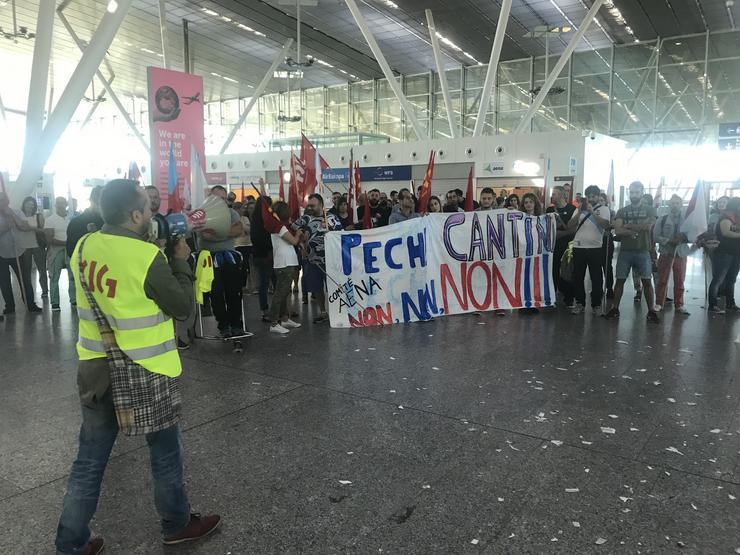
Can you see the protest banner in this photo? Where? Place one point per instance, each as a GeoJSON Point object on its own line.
{"type": "Point", "coordinates": [438, 265]}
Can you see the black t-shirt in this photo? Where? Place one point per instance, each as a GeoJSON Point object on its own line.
{"type": "Point", "coordinates": [565, 213]}
{"type": "Point", "coordinates": [727, 245]}
{"type": "Point", "coordinates": [378, 214]}
{"type": "Point", "coordinates": [80, 225]}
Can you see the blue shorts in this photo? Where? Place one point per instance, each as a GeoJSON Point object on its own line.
{"type": "Point", "coordinates": [639, 261]}
{"type": "Point", "coordinates": [314, 278]}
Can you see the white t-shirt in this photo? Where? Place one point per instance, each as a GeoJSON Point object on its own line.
{"type": "Point", "coordinates": [27, 239]}
{"type": "Point", "coordinates": [591, 234]}
{"type": "Point", "coordinates": [59, 225]}
{"type": "Point", "coordinates": [283, 253]}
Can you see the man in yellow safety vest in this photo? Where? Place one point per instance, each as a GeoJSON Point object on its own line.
{"type": "Point", "coordinates": [139, 293]}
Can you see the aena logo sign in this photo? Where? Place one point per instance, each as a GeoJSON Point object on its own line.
{"type": "Point", "coordinates": [491, 168]}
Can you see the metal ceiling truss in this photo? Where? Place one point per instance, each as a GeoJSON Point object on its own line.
{"type": "Point", "coordinates": [107, 83]}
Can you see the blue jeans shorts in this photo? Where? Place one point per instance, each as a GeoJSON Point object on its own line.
{"type": "Point", "coordinates": [639, 261]}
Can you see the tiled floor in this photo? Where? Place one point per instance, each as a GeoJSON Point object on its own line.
{"type": "Point", "coordinates": [463, 435]}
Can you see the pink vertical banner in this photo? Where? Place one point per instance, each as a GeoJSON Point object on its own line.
{"type": "Point", "coordinates": [175, 118]}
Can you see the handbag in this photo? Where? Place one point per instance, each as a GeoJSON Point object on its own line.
{"type": "Point", "coordinates": [40, 235]}
{"type": "Point", "coordinates": [144, 402]}
{"type": "Point", "coordinates": [567, 266]}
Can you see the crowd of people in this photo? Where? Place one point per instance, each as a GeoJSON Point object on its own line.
{"type": "Point", "coordinates": [251, 260]}
{"type": "Point", "coordinates": [128, 346]}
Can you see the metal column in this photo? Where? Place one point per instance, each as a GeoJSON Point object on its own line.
{"type": "Point", "coordinates": [490, 82]}
{"type": "Point", "coordinates": [611, 92]}
{"type": "Point", "coordinates": [655, 86]}
{"type": "Point", "coordinates": [39, 77]}
{"type": "Point", "coordinates": [185, 46]}
{"type": "Point", "coordinates": [706, 84]}
{"type": "Point", "coordinates": [72, 95]}
{"type": "Point", "coordinates": [547, 85]}
{"type": "Point", "coordinates": [163, 33]}
{"type": "Point", "coordinates": [365, 30]}
{"type": "Point", "coordinates": [106, 85]}
{"type": "Point", "coordinates": [279, 57]}
{"type": "Point", "coordinates": [441, 73]}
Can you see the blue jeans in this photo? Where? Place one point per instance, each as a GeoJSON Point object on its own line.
{"type": "Point", "coordinates": [97, 436]}
{"type": "Point", "coordinates": [725, 268]}
{"type": "Point", "coordinates": [263, 265]}
{"type": "Point", "coordinates": [637, 261]}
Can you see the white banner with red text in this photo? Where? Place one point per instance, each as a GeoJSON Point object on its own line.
{"type": "Point", "coordinates": [438, 265]}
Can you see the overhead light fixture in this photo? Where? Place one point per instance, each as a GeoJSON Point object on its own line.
{"type": "Point", "coordinates": [230, 80]}
{"type": "Point", "coordinates": [282, 74]}
{"type": "Point", "coordinates": [526, 168]}
{"type": "Point", "coordinates": [286, 176]}
{"type": "Point", "coordinates": [215, 74]}
{"type": "Point", "coordinates": [112, 6]}
{"type": "Point", "coordinates": [209, 12]}
{"type": "Point", "coordinates": [245, 27]}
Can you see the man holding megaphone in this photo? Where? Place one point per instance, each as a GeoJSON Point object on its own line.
{"type": "Point", "coordinates": [216, 226]}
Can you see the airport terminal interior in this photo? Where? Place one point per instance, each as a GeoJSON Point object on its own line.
{"type": "Point", "coordinates": [369, 276]}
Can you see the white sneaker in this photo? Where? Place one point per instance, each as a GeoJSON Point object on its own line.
{"type": "Point", "coordinates": [577, 309]}
{"type": "Point", "coordinates": [290, 324]}
{"type": "Point", "coordinates": [277, 328]}
{"type": "Point", "coordinates": [658, 308]}
{"type": "Point", "coordinates": [682, 310]}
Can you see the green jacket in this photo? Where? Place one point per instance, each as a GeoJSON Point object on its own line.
{"type": "Point", "coordinates": [169, 284]}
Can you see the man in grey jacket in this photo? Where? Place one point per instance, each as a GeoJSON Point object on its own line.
{"type": "Point", "coordinates": [674, 249]}
{"type": "Point", "coordinates": [404, 210]}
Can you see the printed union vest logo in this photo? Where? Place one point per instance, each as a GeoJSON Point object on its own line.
{"type": "Point", "coordinates": [95, 278]}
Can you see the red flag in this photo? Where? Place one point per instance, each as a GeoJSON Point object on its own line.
{"type": "Point", "coordinates": [294, 203]}
{"type": "Point", "coordinates": [469, 193]}
{"type": "Point", "coordinates": [281, 193]}
{"type": "Point", "coordinates": [426, 186]}
{"type": "Point", "coordinates": [358, 181]}
{"type": "Point", "coordinates": [298, 169]}
{"type": "Point", "coordinates": [308, 159]}
{"type": "Point", "coordinates": [350, 188]}
{"type": "Point", "coordinates": [270, 220]}
{"type": "Point", "coordinates": [367, 222]}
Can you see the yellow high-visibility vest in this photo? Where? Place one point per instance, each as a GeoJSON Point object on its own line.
{"type": "Point", "coordinates": [115, 269]}
{"type": "Point", "coordinates": [203, 275]}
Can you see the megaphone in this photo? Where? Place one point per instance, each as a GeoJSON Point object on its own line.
{"type": "Point", "coordinates": [214, 215]}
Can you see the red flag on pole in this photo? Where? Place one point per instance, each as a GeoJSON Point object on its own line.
{"type": "Point", "coordinates": [469, 192]}
{"type": "Point", "coordinates": [270, 219]}
{"type": "Point", "coordinates": [358, 181]}
{"type": "Point", "coordinates": [426, 186]}
{"type": "Point", "coordinates": [308, 159]}
{"type": "Point", "coordinates": [281, 193]}
{"type": "Point", "coordinates": [351, 188]}
{"type": "Point", "coordinates": [367, 222]}
{"type": "Point", "coordinates": [294, 203]}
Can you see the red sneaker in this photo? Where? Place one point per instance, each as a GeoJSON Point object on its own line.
{"type": "Point", "coordinates": [198, 527]}
{"type": "Point", "coordinates": [95, 546]}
